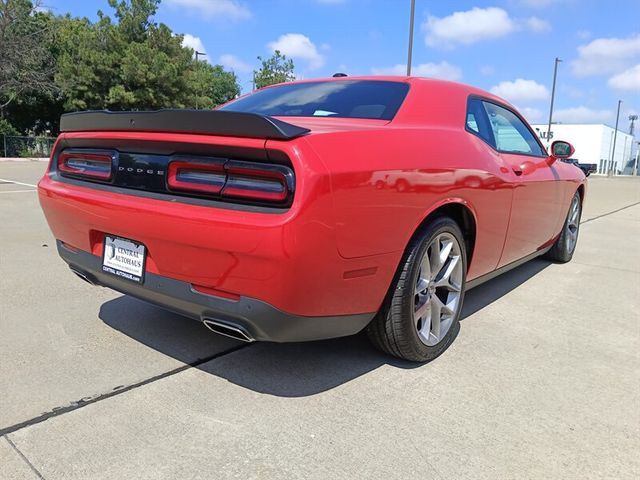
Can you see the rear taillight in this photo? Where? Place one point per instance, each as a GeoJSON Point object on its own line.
{"type": "Point", "coordinates": [270, 183]}
{"type": "Point", "coordinates": [233, 179]}
{"type": "Point", "coordinates": [185, 175]}
{"type": "Point", "coordinates": [93, 165]}
{"type": "Point", "coordinates": [196, 176]}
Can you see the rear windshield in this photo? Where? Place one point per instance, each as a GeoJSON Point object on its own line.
{"type": "Point", "coordinates": [375, 99]}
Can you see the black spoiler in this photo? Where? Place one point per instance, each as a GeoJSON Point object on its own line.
{"type": "Point", "coordinates": [210, 122]}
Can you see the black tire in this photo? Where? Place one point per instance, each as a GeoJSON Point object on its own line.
{"type": "Point", "coordinates": [562, 250]}
{"type": "Point", "coordinates": [393, 330]}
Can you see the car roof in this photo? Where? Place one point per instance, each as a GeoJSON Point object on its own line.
{"type": "Point", "coordinates": [443, 87]}
{"type": "Point", "coordinates": [446, 100]}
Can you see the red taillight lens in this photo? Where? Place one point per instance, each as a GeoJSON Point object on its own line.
{"type": "Point", "coordinates": [196, 176]}
{"type": "Point", "coordinates": [233, 179]}
{"type": "Point", "coordinates": [86, 164]}
{"type": "Point", "coordinates": [270, 183]}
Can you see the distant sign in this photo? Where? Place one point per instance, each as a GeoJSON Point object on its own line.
{"type": "Point", "coordinates": [543, 135]}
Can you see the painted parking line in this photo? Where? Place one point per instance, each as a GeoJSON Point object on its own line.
{"type": "Point", "coordinates": [17, 183]}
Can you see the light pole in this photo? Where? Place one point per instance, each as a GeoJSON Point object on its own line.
{"type": "Point", "coordinates": [615, 137]}
{"type": "Point", "coordinates": [632, 119]}
{"type": "Point", "coordinates": [197, 55]}
{"type": "Point", "coordinates": [553, 95]}
{"type": "Point", "coordinates": [409, 54]}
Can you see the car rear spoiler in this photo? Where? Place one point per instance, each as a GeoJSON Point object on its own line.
{"type": "Point", "coordinates": [209, 122]}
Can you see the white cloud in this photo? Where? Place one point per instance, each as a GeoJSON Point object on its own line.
{"type": "Point", "coordinates": [442, 70]}
{"type": "Point", "coordinates": [582, 115]}
{"type": "Point", "coordinates": [210, 9]}
{"type": "Point", "coordinates": [468, 27]}
{"type": "Point", "coordinates": [234, 64]}
{"type": "Point", "coordinates": [296, 45]}
{"type": "Point", "coordinates": [477, 24]}
{"type": "Point", "coordinates": [536, 24]}
{"type": "Point", "coordinates": [606, 55]}
{"type": "Point", "coordinates": [520, 90]}
{"type": "Point", "coordinates": [532, 115]}
{"type": "Point", "coordinates": [627, 80]}
{"type": "Point", "coordinates": [193, 42]}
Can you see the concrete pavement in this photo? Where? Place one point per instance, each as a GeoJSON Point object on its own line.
{"type": "Point", "coordinates": [543, 380]}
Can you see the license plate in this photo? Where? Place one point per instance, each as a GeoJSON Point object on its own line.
{"type": "Point", "coordinates": [124, 258]}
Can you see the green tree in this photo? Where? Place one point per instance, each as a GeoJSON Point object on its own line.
{"type": "Point", "coordinates": [135, 63]}
{"type": "Point", "coordinates": [26, 64]}
{"type": "Point", "coordinates": [51, 64]}
{"type": "Point", "coordinates": [275, 69]}
{"type": "Point", "coordinates": [134, 18]}
{"type": "Point", "coordinates": [37, 111]}
{"type": "Point", "coordinates": [5, 129]}
{"type": "Point", "coordinates": [211, 85]}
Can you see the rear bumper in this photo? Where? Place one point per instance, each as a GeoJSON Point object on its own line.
{"type": "Point", "coordinates": [288, 260]}
{"type": "Point", "coordinates": [260, 320]}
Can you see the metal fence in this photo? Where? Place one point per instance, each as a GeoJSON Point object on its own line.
{"type": "Point", "coordinates": [14, 146]}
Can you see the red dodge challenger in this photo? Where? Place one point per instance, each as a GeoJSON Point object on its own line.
{"type": "Point", "coordinates": [313, 209]}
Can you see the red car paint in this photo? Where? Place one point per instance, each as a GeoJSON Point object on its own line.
{"type": "Point", "coordinates": [363, 187]}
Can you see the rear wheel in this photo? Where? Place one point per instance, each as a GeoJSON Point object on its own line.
{"type": "Point", "coordinates": [419, 318]}
{"type": "Point", "coordinates": [562, 250]}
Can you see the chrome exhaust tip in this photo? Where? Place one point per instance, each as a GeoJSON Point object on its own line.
{"type": "Point", "coordinates": [228, 330]}
{"type": "Point", "coordinates": [83, 277]}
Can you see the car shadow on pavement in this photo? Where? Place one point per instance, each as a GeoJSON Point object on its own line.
{"type": "Point", "coordinates": [284, 370]}
{"type": "Point", "coordinates": [487, 293]}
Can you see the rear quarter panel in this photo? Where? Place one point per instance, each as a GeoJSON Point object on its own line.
{"type": "Point", "coordinates": [385, 182]}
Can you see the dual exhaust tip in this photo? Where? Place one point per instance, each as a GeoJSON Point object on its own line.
{"type": "Point", "coordinates": [84, 277]}
{"type": "Point", "coordinates": [228, 330]}
{"type": "Point", "coordinates": [216, 326]}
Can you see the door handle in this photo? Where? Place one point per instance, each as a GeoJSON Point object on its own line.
{"type": "Point", "coordinates": [517, 170]}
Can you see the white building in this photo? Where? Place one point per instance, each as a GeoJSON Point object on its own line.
{"type": "Point", "coordinates": [594, 144]}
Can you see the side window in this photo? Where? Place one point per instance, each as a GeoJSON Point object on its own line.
{"type": "Point", "coordinates": [510, 133]}
{"type": "Point", "coordinates": [477, 121]}
{"type": "Point", "coordinates": [472, 123]}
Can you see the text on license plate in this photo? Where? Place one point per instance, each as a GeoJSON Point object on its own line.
{"type": "Point", "coordinates": [124, 258]}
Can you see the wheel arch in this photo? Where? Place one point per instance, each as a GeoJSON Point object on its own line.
{"type": "Point", "coordinates": [461, 212]}
{"type": "Point", "coordinates": [581, 192]}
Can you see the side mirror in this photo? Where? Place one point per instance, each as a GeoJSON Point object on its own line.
{"type": "Point", "coordinates": [560, 150]}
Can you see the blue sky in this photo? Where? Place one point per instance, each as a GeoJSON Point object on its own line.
{"type": "Point", "coordinates": [507, 46]}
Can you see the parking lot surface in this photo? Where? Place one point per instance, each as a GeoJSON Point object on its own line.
{"type": "Point", "coordinates": [543, 380]}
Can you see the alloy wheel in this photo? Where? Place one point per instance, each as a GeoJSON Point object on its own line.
{"type": "Point", "coordinates": [438, 289]}
{"type": "Point", "coordinates": [573, 224]}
